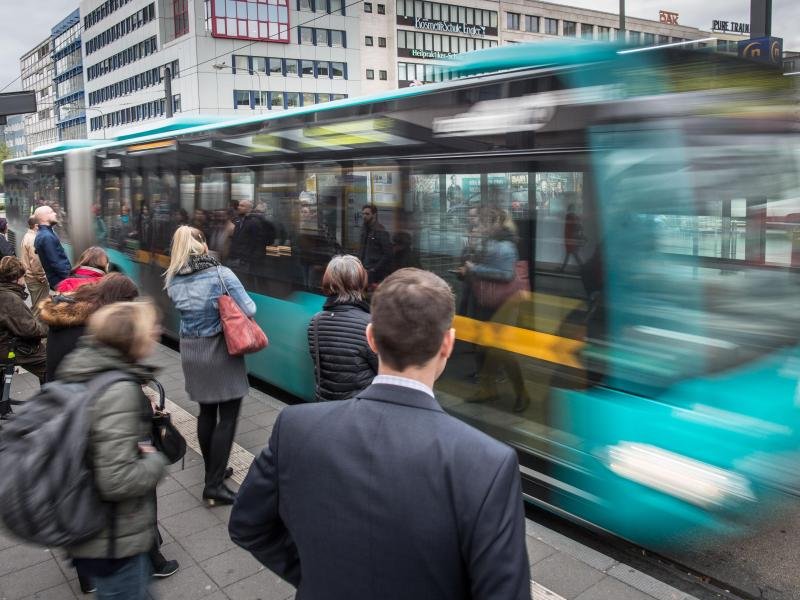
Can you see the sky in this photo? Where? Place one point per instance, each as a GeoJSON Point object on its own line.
{"type": "Point", "coordinates": [22, 27]}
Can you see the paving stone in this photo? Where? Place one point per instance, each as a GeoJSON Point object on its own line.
{"type": "Point", "coordinates": [254, 407]}
{"type": "Point", "coordinates": [265, 419]}
{"type": "Point", "coordinates": [167, 486]}
{"type": "Point", "coordinates": [191, 475]}
{"type": "Point", "coordinates": [175, 551]}
{"type": "Point", "coordinates": [209, 543]}
{"type": "Point", "coordinates": [189, 522]}
{"type": "Point", "coordinates": [186, 584]}
{"type": "Point", "coordinates": [264, 585]}
{"type": "Point", "coordinates": [565, 576]}
{"type": "Point", "coordinates": [24, 582]}
{"type": "Point", "coordinates": [21, 556]}
{"type": "Point", "coordinates": [645, 583]}
{"type": "Point", "coordinates": [252, 438]}
{"type": "Point", "coordinates": [537, 550]}
{"type": "Point", "coordinates": [7, 540]}
{"type": "Point", "coordinates": [244, 425]}
{"type": "Point", "coordinates": [231, 566]}
{"type": "Point", "coordinates": [576, 550]}
{"type": "Point", "coordinates": [60, 592]}
{"type": "Point", "coordinates": [612, 589]}
{"type": "Point", "coordinates": [176, 502]}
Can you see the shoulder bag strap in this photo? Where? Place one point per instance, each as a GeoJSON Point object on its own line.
{"type": "Point", "coordinates": [315, 325]}
{"type": "Point", "coordinates": [222, 283]}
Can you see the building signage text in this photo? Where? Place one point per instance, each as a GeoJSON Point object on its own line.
{"type": "Point", "coordinates": [670, 18]}
{"type": "Point", "coordinates": [730, 26]}
{"type": "Point", "coordinates": [448, 27]}
{"type": "Point", "coordinates": [428, 54]}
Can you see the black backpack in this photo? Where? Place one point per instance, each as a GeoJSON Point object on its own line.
{"type": "Point", "coordinates": [47, 491]}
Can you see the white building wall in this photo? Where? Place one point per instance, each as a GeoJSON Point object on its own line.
{"type": "Point", "coordinates": [36, 67]}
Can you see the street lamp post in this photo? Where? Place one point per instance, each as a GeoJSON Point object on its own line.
{"type": "Point", "coordinates": [622, 19]}
{"type": "Point", "coordinates": [222, 65]}
{"type": "Point", "coordinates": [97, 110]}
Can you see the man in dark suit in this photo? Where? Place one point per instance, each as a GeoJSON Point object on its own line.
{"type": "Point", "coordinates": [385, 496]}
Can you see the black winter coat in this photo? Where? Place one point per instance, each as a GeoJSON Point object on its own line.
{"type": "Point", "coordinates": [67, 321]}
{"type": "Point", "coordinates": [347, 365]}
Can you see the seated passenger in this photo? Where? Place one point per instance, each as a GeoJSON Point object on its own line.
{"type": "Point", "coordinates": [91, 267]}
{"type": "Point", "coordinates": [20, 331]}
{"type": "Point", "coordinates": [344, 364]}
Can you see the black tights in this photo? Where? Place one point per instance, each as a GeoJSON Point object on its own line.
{"type": "Point", "coordinates": [216, 437]}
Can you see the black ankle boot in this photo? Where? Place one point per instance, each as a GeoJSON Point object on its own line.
{"type": "Point", "coordinates": [218, 495]}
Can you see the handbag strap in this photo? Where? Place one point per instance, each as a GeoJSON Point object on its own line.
{"type": "Point", "coordinates": [222, 283]}
{"type": "Point", "coordinates": [315, 327]}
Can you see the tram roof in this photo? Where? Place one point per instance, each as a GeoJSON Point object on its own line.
{"type": "Point", "coordinates": [550, 54]}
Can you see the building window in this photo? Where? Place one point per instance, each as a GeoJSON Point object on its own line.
{"type": "Point", "coordinates": [259, 64]}
{"type": "Point", "coordinates": [570, 28]}
{"type": "Point", "coordinates": [663, 39]}
{"type": "Point", "coordinates": [649, 39]}
{"type": "Point", "coordinates": [382, 42]}
{"type": "Point", "coordinates": [531, 24]}
{"type": "Point", "coordinates": [368, 40]}
{"type": "Point", "coordinates": [370, 74]}
{"type": "Point", "coordinates": [336, 6]}
{"type": "Point", "coordinates": [306, 35]}
{"type": "Point", "coordinates": [512, 21]}
{"type": "Point", "coordinates": [309, 99]}
{"type": "Point", "coordinates": [338, 70]}
{"type": "Point", "coordinates": [367, 7]}
{"type": "Point", "coordinates": [292, 99]}
{"type": "Point", "coordinates": [291, 67]}
{"type": "Point", "coordinates": [382, 75]}
{"type": "Point", "coordinates": [323, 69]}
{"type": "Point", "coordinates": [307, 68]}
{"type": "Point", "coordinates": [603, 33]}
{"type": "Point", "coordinates": [251, 19]}
{"type": "Point", "coordinates": [381, 9]}
{"type": "Point", "coordinates": [587, 31]}
{"type": "Point", "coordinates": [180, 13]}
{"type": "Point", "coordinates": [276, 67]}
{"type": "Point", "coordinates": [305, 5]}
{"type": "Point", "coordinates": [241, 98]}
{"type": "Point", "coordinates": [635, 37]}
{"type": "Point", "coordinates": [337, 38]}
{"type": "Point", "coordinates": [276, 100]}
{"type": "Point", "coordinates": [550, 26]}
{"type": "Point", "coordinates": [241, 63]}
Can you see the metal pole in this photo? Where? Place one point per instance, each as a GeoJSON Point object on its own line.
{"type": "Point", "coordinates": [622, 19]}
{"type": "Point", "coordinates": [760, 18]}
{"type": "Point", "coordinates": [168, 90]}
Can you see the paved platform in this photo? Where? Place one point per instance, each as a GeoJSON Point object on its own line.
{"type": "Point", "coordinates": [213, 568]}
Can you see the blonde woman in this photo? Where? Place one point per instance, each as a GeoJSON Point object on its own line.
{"type": "Point", "coordinates": [214, 379]}
{"type": "Point", "coordinates": [344, 364]}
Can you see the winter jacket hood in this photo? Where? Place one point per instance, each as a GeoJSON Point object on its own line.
{"type": "Point", "coordinates": [64, 311]}
{"type": "Point", "coordinates": [120, 419]}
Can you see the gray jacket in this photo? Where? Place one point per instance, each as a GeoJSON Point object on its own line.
{"type": "Point", "coordinates": [120, 419]}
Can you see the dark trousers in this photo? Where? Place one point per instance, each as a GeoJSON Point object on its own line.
{"type": "Point", "coordinates": [216, 427]}
{"type": "Point", "coordinates": [490, 361]}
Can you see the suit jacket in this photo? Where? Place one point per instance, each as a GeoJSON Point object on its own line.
{"type": "Point", "coordinates": [385, 496]}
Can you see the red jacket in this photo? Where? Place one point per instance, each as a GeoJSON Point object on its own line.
{"type": "Point", "coordinates": [81, 276]}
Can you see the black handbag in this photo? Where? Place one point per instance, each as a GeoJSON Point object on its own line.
{"type": "Point", "coordinates": [165, 436]}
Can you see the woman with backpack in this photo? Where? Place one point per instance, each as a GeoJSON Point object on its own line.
{"type": "Point", "coordinates": [125, 465]}
{"type": "Point", "coordinates": [214, 379]}
{"type": "Point", "coordinates": [91, 267]}
{"type": "Point", "coordinates": [344, 364]}
{"type": "Point", "coordinates": [67, 314]}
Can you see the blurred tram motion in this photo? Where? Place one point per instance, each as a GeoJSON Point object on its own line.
{"type": "Point", "coordinates": [655, 198]}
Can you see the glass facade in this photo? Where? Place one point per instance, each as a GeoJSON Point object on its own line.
{"type": "Point", "coordinates": [262, 20]}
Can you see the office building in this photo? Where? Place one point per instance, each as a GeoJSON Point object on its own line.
{"type": "Point", "coordinates": [69, 104]}
{"type": "Point", "coordinates": [37, 76]}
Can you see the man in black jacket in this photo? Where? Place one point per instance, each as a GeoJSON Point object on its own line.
{"type": "Point", "coordinates": [376, 245]}
{"type": "Point", "coordinates": [251, 235]}
{"type": "Point", "coordinates": [385, 495]}
{"type": "Point", "coordinates": [6, 247]}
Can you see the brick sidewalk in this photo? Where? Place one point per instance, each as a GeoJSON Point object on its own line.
{"type": "Point", "coordinates": [213, 568]}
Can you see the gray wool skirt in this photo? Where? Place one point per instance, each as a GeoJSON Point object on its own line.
{"type": "Point", "coordinates": [211, 374]}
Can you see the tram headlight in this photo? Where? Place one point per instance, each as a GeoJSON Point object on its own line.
{"type": "Point", "coordinates": [690, 480]}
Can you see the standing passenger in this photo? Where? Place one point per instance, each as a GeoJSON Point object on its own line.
{"type": "Point", "coordinates": [6, 247]}
{"type": "Point", "coordinates": [344, 364]}
{"type": "Point", "coordinates": [48, 247]}
{"type": "Point", "coordinates": [214, 378]}
{"type": "Point", "coordinates": [376, 246]}
{"type": "Point", "coordinates": [125, 465]}
{"type": "Point", "coordinates": [34, 273]}
{"type": "Point", "coordinates": [385, 495]}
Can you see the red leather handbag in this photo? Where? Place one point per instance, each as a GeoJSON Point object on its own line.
{"type": "Point", "coordinates": [242, 333]}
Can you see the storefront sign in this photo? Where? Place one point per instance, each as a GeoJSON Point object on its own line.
{"type": "Point", "coordinates": [414, 53]}
{"type": "Point", "coordinates": [448, 27]}
{"type": "Point", "coordinates": [730, 27]}
{"type": "Point", "coordinates": [667, 17]}
{"type": "Point", "coordinates": [764, 49]}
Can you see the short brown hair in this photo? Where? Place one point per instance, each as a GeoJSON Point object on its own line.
{"type": "Point", "coordinates": [10, 269]}
{"type": "Point", "coordinates": [412, 310]}
{"type": "Point", "coordinates": [125, 326]}
{"type": "Point", "coordinates": [346, 278]}
{"type": "Point", "coordinates": [93, 256]}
